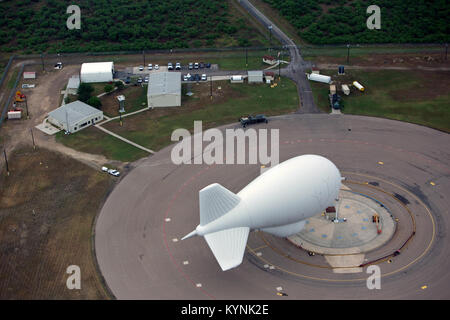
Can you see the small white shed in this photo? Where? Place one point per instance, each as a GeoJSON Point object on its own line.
{"type": "Point", "coordinates": [255, 76]}
{"type": "Point", "coordinates": [29, 75]}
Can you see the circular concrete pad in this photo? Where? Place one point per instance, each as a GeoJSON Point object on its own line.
{"type": "Point", "coordinates": [357, 234]}
{"type": "Point", "coordinates": [157, 202]}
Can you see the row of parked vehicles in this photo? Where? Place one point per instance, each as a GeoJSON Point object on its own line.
{"type": "Point", "coordinates": [194, 77]}
{"type": "Point", "coordinates": [170, 66]}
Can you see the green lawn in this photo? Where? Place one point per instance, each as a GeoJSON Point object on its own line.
{"type": "Point", "coordinates": [413, 96]}
{"type": "Point", "coordinates": [310, 52]}
{"type": "Point", "coordinates": [93, 140]}
{"type": "Point", "coordinates": [153, 129]}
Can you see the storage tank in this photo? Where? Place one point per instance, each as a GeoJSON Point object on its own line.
{"type": "Point", "coordinates": [238, 79]}
{"type": "Point", "coordinates": [345, 89]}
{"type": "Point", "coordinates": [358, 85]}
{"type": "Point", "coordinates": [319, 78]}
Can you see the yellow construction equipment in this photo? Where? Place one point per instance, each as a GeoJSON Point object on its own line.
{"type": "Point", "coordinates": [20, 97]}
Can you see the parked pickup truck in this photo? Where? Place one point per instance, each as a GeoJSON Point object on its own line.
{"type": "Point", "coordinates": [252, 119]}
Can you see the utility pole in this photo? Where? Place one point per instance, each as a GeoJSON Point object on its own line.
{"type": "Point", "coordinates": [42, 60]}
{"type": "Point", "coordinates": [26, 106]}
{"type": "Point", "coordinates": [348, 53]}
{"type": "Point", "coordinates": [246, 59]}
{"type": "Point", "coordinates": [210, 85]}
{"type": "Point", "coordinates": [270, 37]}
{"type": "Point", "coordinates": [6, 161]}
{"type": "Point", "coordinates": [32, 137]}
{"type": "Point", "coordinates": [279, 66]}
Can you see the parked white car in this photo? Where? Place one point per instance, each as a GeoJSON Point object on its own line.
{"type": "Point", "coordinates": [105, 169]}
{"type": "Point", "coordinates": [204, 78]}
{"type": "Point", "coordinates": [156, 66]}
{"type": "Point", "coordinates": [150, 66]}
{"type": "Point", "coordinates": [113, 172]}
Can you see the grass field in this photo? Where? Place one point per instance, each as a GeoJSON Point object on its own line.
{"type": "Point", "coordinates": [135, 99]}
{"type": "Point", "coordinates": [92, 140]}
{"type": "Point", "coordinates": [311, 52]}
{"type": "Point", "coordinates": [47, 209]}
{"type": "Point", "coordinates": [153, 128]}
{"type": "Point", "coordinates": [421, 97]}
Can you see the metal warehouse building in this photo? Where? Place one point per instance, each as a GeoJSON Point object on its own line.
{"type": "Point", "coordinates": [255, 76]}
{"type": "Point", "coordinates": [164, 89]}
{"type": "Point", "coordinates": [97, 72]}
{"type": "Point", "coordinates": [75, 116]}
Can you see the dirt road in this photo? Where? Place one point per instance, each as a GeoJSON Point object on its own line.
{"type": "Point", "coordinates": [41, 100]}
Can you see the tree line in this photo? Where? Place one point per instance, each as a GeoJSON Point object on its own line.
{"type": "Point", "coordinates": [34, 26]}
{"type": "Point", "coordinates": [344, 21]}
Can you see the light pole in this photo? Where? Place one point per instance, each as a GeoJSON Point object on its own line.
{"type": "Point", "coordinates": [270, 37]}
{"type": "Point", "coordinates": [348, 52]}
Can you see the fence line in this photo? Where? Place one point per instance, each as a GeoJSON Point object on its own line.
{"type": "Point", "coordinates": [11, 94]}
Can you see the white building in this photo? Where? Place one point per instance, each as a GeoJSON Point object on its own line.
{"type": "Point", "coordinates": [73, 84]}
{"type": "Point", "coordinates": [75, 116]}
{"type": "Point", "coordinates": [97, 72]}
{"type": "Point", "coordinates": [29, 75]}
{"type": "Point", "coordinates": [164, 89]}
{"type": "Point", "coordinates": [255, 76]}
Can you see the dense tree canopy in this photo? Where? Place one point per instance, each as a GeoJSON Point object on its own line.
{"type": "Point", "coordinates": [344, 21]}
{"type": "Point", "coordinates": [113, 25]}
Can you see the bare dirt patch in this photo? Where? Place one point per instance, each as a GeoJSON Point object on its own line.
{"type": "Point", "coordinates": [409, 60]}
{"type": "Point", "coordinates": [47, 208]}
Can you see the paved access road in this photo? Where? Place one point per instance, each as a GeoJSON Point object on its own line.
{"type": "Point", "coordinates": [138, 231]}
{"type": "Point", "coordinates": [296, 68]}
